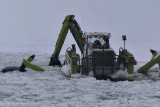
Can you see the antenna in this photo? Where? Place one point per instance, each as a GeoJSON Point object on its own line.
{"type": "Point", "coordinates": [83, 24]}
{"type": "Point", "coordinates": [110, 25]}
{"type": "Point", "coordinates": [124, 39]}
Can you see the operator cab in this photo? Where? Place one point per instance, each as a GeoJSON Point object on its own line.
{"type": "Point", "coordinates": [99, 57]}
{"type": "Point", "coordinates": [96, 40]}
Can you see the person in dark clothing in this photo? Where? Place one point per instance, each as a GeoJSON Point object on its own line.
{"type": "Point", "coordinates": [98, 43]}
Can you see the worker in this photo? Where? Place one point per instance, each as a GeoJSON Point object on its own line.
{"type": "Point", "coordinates": [106, 40]}
{"type": "Point", "coordinates": [98, 43]}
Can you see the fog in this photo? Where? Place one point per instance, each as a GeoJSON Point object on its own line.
{"type": "Point", "coordinates": [34, 25]}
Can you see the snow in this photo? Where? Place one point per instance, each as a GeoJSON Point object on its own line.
{"type": "Point", "coordinates": [66, 69]}
{"type": "Point", "coordinates": [53, 89]}
{"type": "Point", "coordinates": [32, 27]}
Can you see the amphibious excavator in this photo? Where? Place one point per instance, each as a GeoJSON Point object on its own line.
{"type": "Point", "coordinates": [97, 56]}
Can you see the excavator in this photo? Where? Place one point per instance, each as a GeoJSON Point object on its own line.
{"type": "Point", "coordinates": [97, 56]}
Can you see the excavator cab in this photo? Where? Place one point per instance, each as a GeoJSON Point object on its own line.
{"type": "Point", "coordinates": [96, 40]}
{"type": "Point", "coordinates": [99, 57]}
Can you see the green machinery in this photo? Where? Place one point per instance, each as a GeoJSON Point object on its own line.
{"type": "Point", "coordinates": [155, 60]}
{"type": "Point", "coordinates": [26, 63]}
{"type": "Point", "coordinates": [97, 55]}
{"type": "Point", "coordinates": [68, 24]}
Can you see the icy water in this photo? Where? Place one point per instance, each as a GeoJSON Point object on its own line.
{"type": "Point", "coordinates": [52, 89]}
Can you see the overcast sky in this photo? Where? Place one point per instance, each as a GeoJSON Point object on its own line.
{"type": "Point", "coordinates": [29, 25]}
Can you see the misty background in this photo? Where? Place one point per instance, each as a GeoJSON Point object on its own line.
{"type": "Point", "coordinates": [34, 25]}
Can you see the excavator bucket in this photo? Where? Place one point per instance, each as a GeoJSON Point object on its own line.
{"type": "Point", "coordinates": [55, 61]}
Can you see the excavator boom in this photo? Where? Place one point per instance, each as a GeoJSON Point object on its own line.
{"type": "Point", "coordinates": [68, 24]}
